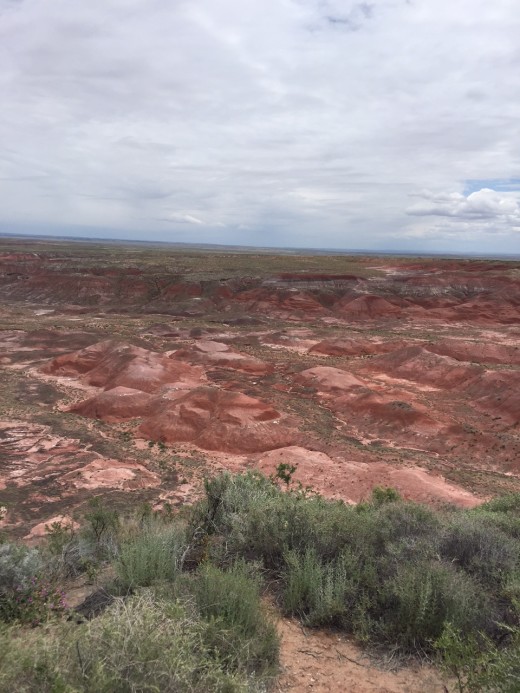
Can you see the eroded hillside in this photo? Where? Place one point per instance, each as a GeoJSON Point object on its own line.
{"type": "Point", "coordinates": [133, 372]}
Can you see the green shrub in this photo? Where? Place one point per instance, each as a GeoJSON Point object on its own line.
{"type": "Point", "coordinates": [386, 570]}
{"type": "Point", "coordinates": [153, 554]}
{"type": "Point", "coordinates": [480, 548]}
{"type": "Point", "coordinates": [141, 644]}
{"type": "Point", "coordinates": [304, 577]}
{"type": "Point", "coordinates": [509, 503]}
{"type": "Point", "coordinates": [332, 593]}
{"type": "Point", "coordinates": [102, 526]}
{"type": "Point", "coordinates": [239, 630]}
{"type": "Point", "coordinates": [40, 601]}
{"type": "Point", "coordinates": [19, 572]}
{"type": "Point", "coordinates": [18, 565]}
{"type": "Point", "coordinates": [381, 495]}
{"type": "Point", "coordinates": [79, 555]}
{"type": "Point", "coordinates": [409, 609]}
{"type": "Point", "coordinates": [284, 472]}
{"type": "Point", "coordinates": [229, 497]}
{"type": "Point", "coordinates": [244, 509]}
{"type": "Point", "coordinates": [502, 671]}
{"type": "Point", "coordinates": [463, 658]}
{"type": "Point", "coordinates": [422, 598]}
{"type": "Point", "coordinates": [508, 523]}
{"type": "Point", "coordinates": [261, 522]}
{"type": "Point", "coordinates": [477, 665]}
{"type": "Point", "coordinates": [59, 535]}
{"type": "Point", "coordinates": [400, 520]}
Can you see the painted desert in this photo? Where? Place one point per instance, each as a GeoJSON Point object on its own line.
{"type": "Point", "coordinates": [131, 373]}
{"type": "Point", "coordinates": [134, 372]}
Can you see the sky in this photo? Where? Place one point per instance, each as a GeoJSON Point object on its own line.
{"type": "Point", "coordinates": [378, 125]}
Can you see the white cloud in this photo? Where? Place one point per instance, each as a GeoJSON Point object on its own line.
{"type": "Point", "coordinates": [176, 218]}
{"type": "Point", "coordinates": [483, 205]}
{"type": "Point", "coordinates": [302, 122]}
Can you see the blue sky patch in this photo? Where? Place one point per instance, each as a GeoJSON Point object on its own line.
{"type": "Point", "coordinates": [498, 184]}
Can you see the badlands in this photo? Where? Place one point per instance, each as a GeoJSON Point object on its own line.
{"type": "Point", "coordinates": [134, 371]}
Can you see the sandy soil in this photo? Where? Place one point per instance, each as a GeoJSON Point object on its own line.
{"type": "Point", "coordinates": [327, 662]}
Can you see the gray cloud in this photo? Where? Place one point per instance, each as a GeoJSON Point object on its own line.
{"type": "Point", "coordinates": [306, 122]}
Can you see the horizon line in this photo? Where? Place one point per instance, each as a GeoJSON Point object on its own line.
{"type": "Point", "coordinates": [264, 249]}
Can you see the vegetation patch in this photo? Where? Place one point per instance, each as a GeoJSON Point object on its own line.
{"type": "Point", "coordinates": [183, 610]}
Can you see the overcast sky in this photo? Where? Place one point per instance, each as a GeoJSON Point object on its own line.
{"type": "Point", "coordinates": [385, 124]}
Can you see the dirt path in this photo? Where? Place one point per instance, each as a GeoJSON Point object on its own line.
{"type": "Point", "coordinates": [326, 662]}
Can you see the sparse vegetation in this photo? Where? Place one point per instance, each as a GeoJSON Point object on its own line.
{"type": "Point", "coordinates": [388, 571]}
{"type": "Point", "coordinates": [143, 643]}
{"type": "Point", "coordinates": [438, 583]}
{"type": "Point", "coordinates": [197, 630]}
{"type": "Point", "coordinates": [153, 554]}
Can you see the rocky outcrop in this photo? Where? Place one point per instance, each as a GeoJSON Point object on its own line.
{"type": "Point", "coordinates": [105, 473]}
